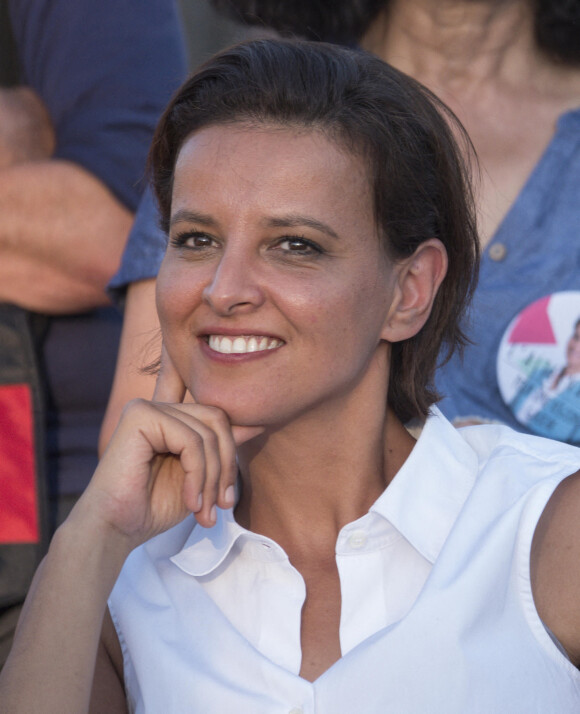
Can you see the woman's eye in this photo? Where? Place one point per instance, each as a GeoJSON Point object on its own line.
{"type": "Point", "coordinates": [192, 240]}
{"type": "Point", "coordinates": [299, 246]}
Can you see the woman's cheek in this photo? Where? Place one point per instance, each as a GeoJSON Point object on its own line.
{"type": "Point", "coordinates": [177, 294]}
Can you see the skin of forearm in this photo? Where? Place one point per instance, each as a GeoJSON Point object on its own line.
{"type": "Point", "coordinates": [62, 235]}
{"type": "Point", "coordinates": [26, 131]}
{"type": "Point", "coordinates": [140, 346]}
{"type": "Point", "coordinates": [51, 666]}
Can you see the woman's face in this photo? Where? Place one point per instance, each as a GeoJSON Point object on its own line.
{"type": "Point", "coordinates": [274, 289]}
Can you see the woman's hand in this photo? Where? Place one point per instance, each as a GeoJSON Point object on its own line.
{"type": "Point", "coordinates": [166, 459]}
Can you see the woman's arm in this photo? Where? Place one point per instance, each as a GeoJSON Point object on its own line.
{"type": "Point", "coordinates": [50, 668]}
{"type": "Point", "coordinates": [555, 566]}
{"type": "Point", "coordinates": [165, 460]}
{"type": "Point", "coordinates": [108, 693]}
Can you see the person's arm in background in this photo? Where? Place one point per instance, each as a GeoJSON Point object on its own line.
{"type": "Point", "coordinates": [26, 131]}
{"type": "Point", "coordinates": [32, 272]}
{"type": "Point", "coordinates": [140, 344]}
{"type": "Point", "coordinates": [61, 237]}
{"type": "Point", "coordinates": [104, 72]}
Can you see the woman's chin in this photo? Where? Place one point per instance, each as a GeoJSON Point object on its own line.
{"type": "Point", "coordinates": [241, 412]}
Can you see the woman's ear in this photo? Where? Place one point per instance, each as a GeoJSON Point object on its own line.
{"type": "Point", "coordinates": [419, 278]}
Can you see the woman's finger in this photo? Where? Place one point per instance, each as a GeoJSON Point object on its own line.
{"type": "Point", "coordinates": [169, 387]}
{"type": "Point", "coordinates": [220, 441]}
{"type": "Point", "coordinates": [176, 465]}
{"type": "Point", "coordinates": [220, 456]}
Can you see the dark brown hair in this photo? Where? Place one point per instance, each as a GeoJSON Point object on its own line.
{"type": "Point", "coordinates": [420, 183]}
{"type": "Point", "coordinates": [556, 22]}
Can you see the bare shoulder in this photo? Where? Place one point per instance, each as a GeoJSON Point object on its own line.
{"type": "Point", "coordinates": [555, 565]}
{"type": "Point", "coordinates": [108, 694]}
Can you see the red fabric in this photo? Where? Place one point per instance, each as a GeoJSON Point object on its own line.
{"type": "Point", "coordinates": [18, 498]}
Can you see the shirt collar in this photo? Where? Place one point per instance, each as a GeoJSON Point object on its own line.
{"type": "Point", "coordinates": [206, 548]}
{"type": "Point", "coordinates": [424, 499]}
{"type": "Point", "coordinates": [422, 502]}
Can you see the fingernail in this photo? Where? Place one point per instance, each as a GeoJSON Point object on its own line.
{"type": "Point", "coordinates": [213, 515]}
{"type": "Point", "coordinates": [230, 495]}
{"type": "Point", "coordinates": [199, 502]}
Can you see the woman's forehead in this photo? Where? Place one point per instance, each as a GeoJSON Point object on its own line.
{"type": "Point", "coordinates": [264, 159]}
{"type": "Point", "coordinates": [276, 133]}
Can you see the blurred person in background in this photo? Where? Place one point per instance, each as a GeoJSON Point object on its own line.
{"type": "Point", "coordinates": [84, 85]}
{"type": "Point", "coordinates": [510, 70]}
{"type": "Point", "coordinates": [549, 398]}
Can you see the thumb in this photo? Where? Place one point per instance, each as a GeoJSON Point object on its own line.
{"type": "Point", "coordinates": [169, 387]}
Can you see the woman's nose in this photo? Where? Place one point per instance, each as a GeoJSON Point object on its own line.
{"type": "Point", "coordinates": [234, 286]}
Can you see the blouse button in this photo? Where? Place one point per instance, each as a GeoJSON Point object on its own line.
{"type": "Point", "coordinates": [497, 252]}
{"type": "Point", "coordinates": [357, 540]}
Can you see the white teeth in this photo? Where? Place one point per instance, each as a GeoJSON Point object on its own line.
{"type": "Point", "coordinates": [225, 345]}
{"type": "Point", "coordinates": [242, 344]}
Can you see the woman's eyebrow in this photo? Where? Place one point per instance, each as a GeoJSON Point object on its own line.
{"type": "Point", "coordinates": [295, 221]}
{"type": "Point", "coordinates": [186, 216]}
{"type": "Point", "coordinates": [291, 220]}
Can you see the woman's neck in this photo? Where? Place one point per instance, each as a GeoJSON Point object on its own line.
{"type": "Point", "coordinates": [448, 43]}
{"type": "Point", "coordinates": [348, 452]}
{"type": "Point", "coordinates": [480, 57]}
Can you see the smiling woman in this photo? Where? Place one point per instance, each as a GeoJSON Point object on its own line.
{"type": "Point", "coordinates": [294, 548]}
{"type": "Point", "coordinates": [272, 255]}
{"type": "Point", "coordinates": [387, 134]}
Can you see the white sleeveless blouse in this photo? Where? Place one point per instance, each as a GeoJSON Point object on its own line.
{"type": "Point", "coordinates": [456, 633]}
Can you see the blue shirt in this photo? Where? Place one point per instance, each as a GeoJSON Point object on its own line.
{"type": "Point", "coordinates": [145, 248]}
{"type": "Point", "coordinates": [540, 237]}
{"type": "Point", "coordinates": [105, 70]}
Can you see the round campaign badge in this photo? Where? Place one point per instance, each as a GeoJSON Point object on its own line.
{"type": "Point", "coordinates": [538, 367]}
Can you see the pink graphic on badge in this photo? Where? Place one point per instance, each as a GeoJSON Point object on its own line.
{"type": "Point", "coordinates": [533, 325]}
{"type": "Point", "coordinates": [538, 367]}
